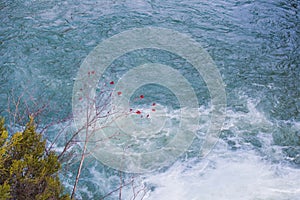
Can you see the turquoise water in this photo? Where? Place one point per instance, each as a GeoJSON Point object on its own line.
{"type": "Point", "coordinates": [255, 45]}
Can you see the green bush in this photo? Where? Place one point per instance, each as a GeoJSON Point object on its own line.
{"type": "Point", "coordinates": [27, 170]}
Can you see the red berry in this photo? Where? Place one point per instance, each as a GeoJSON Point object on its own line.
{"type": "Point", "coordinates": [138, 112]}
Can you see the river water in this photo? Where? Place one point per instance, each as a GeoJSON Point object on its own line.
{"type": "Point", "coordinates": [255, 46]}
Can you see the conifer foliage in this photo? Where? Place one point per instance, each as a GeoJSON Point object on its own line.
{"type": "Point", "coordinates": [27, 170]}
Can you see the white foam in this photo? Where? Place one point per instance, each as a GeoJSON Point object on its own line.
{"type": "Point", "coordinates": [229, 176]}
{"type": "Point", "coordinates": [246, 173]}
